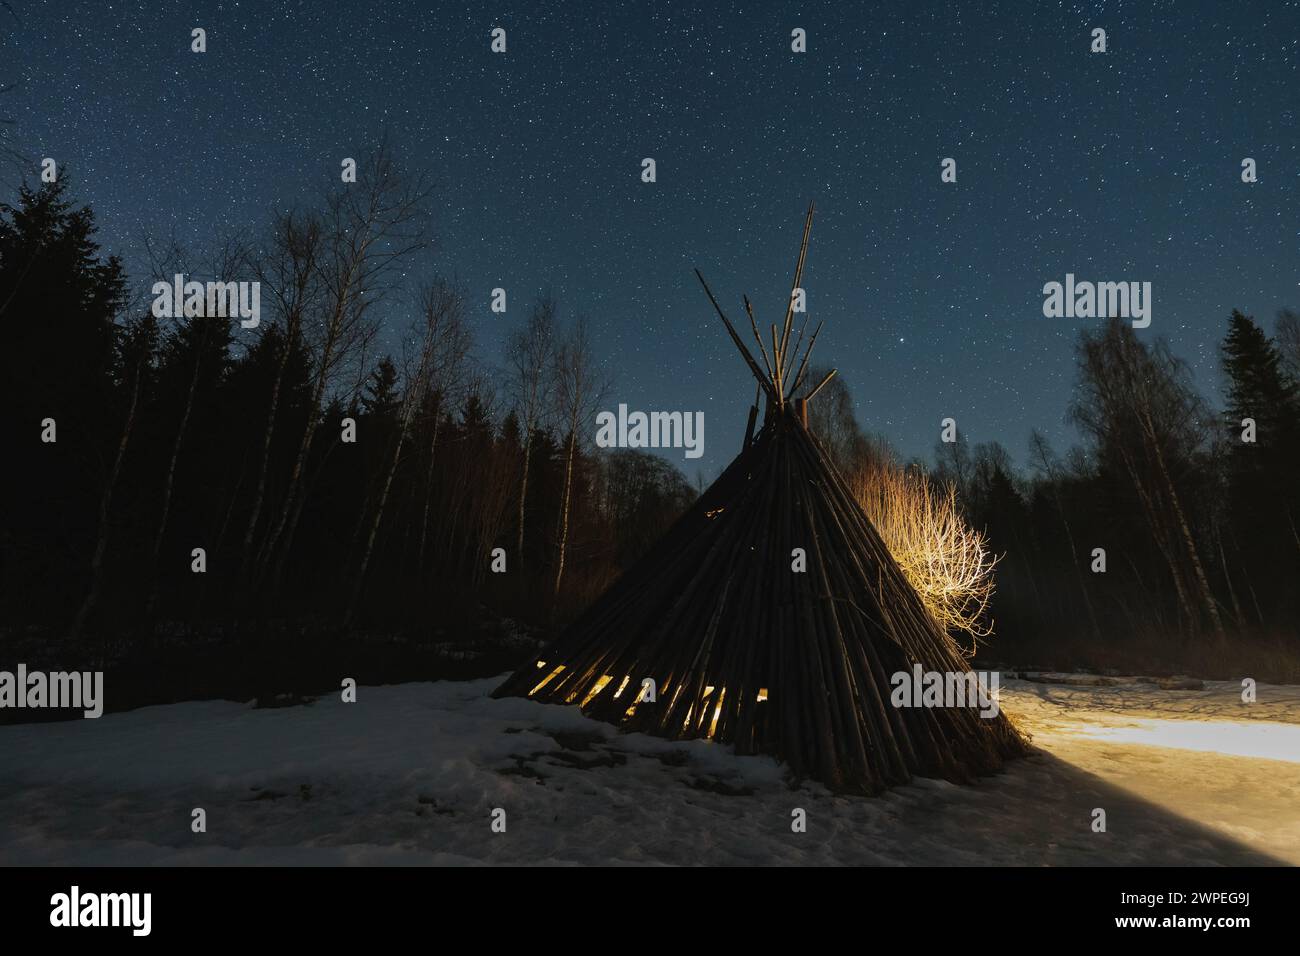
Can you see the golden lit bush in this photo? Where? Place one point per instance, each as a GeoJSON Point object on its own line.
{"type": "Point", "coordinates": [946, 560]}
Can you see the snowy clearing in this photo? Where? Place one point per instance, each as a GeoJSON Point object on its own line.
{"type": "Point", "coordinates": [411, 773]}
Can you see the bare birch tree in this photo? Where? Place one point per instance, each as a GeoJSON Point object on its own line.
{"type": "Point", "coordinates": [370, 228]}
{"type": "Point", "coordinates": [443, 312]}
{"type": "Point", "coordinates": [531, 354]}
{"type": "Point", "coordinates": [137, 358]}
{"type": "Point", "coordinates": [290, 274]}
{"type": "Point", "coordinates": [580, 386]}
{"type": "Point", "coordinates": [229, 262]}
{"type": "Point", "coordinates": [1136, 405]}
{"type": "Point", "coordinates": [441, 346]}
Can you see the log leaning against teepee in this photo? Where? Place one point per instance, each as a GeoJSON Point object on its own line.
{"type": "Point", "coordinates": [743, 649]}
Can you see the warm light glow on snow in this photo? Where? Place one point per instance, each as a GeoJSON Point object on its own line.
{"type": "Point", "coordinates": [1265, 739]}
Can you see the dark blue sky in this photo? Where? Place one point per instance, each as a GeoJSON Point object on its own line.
{"type": "Point", "coordinates": [1116, 166]}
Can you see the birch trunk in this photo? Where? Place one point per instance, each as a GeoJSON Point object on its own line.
{"type": "Point", "coordinates": [259, 493]}
{"type": "Point", "coordinates": [1198, 569]}
{"type": "Point", "coordinates": [564, 510]}
{"type": "Point", "coordinates": [168, 485]}
{"type": "Point", "coordinates": [523, 494]}
{"type": "Point", "coordinates": [374, 526]}
{"type": "Point", "coordinates": [428, 486]}
{"type": "Point", "coordinates": [105, 506]}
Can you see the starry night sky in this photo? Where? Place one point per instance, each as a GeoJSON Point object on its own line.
{"type": "Point", "coordinates": [1116, 166]}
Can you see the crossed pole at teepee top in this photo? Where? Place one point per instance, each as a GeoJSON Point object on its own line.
{"type": "Point", "coordinates": [777, 384]}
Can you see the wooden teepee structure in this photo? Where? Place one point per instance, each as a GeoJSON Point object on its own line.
{"type": "Point", "coordinates": [739, 646]}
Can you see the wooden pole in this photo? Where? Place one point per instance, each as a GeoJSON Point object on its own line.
{"type": "Point", "coordinates": [829, 375]}
{"type": "Point", "coordinates": [749, 310]}
{"type": "Point", "coordinates": [803, 366]}
{"type": "Point", "coordinates": [798, 277]}
{"type": "Point", "coordinates": [731, 330]}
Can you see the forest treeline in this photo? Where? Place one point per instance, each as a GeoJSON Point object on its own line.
{"type": "Point", "coordinates": [321, 476]}
{"type": "Point", "coordinates": [1170, 537]}
{"type": "Point", "coordinates": [314, 470]}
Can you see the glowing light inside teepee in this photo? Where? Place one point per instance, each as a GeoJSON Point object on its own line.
{"type": "Point", "coordinates": [596, 688]}
{"type": "Point", "coordinates": [547, 679]}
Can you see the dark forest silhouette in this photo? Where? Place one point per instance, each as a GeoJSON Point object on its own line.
{"type": "Point", "coordinates": [172, 437]}
{"type": "Point", "coordinates": [180, 434]}
{"type": "Point", "coordinates": [1200, 528]}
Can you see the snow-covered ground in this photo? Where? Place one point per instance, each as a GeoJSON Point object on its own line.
{"type": "Point", "coordinates": [410, 774]}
